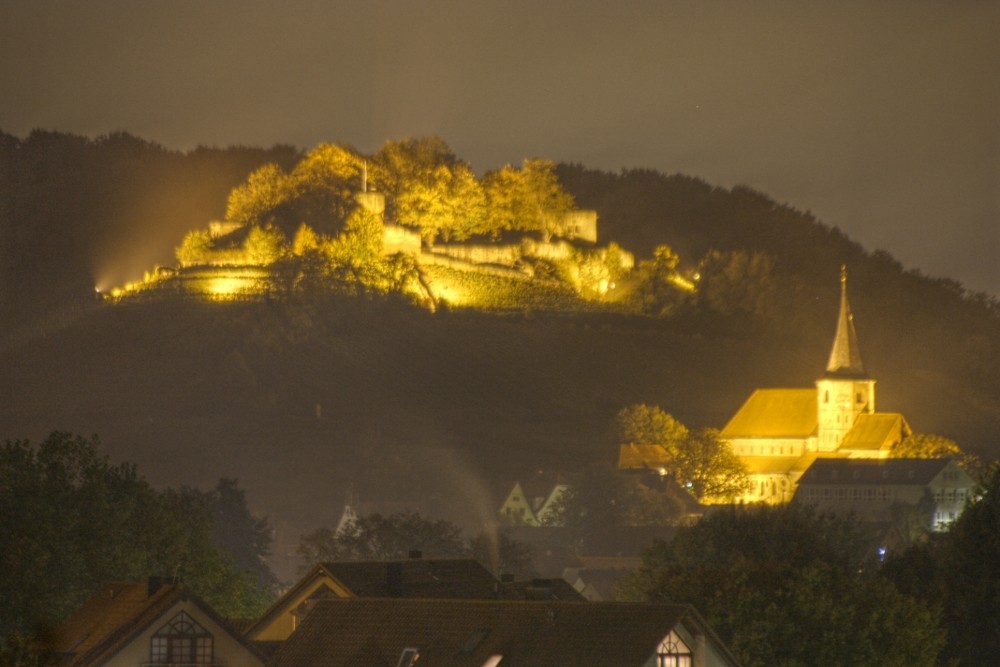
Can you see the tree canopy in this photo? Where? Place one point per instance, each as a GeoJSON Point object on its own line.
{"type": "Point", "coordinates": [72, 520]}
{"type": "Point", "coordinates": [784, 585]}
{"type": "Point", "coordinates": [701, 461]}
{"type": "Point", "coordinates": [960, 573]}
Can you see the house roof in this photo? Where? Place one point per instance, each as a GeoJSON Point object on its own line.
{"type": "Point", "coordinates": [873, 471]}
{"type": "Point", "coordinates": [463, 578]}
{"type": "Point", "coordinates": [112, 617]}
{"type": "Point", "coordinates": [417, 578]}
{"type": "Point", "coordinates": [775, 413]}
{"type": "Point", "coordinates": [374, 632]}
{"type": "Point", "coordinates": [876, 431]}
{"type": "Point", "coordinates": [642, 456]}
{"type": "Point", "coordinates": [540, 589]}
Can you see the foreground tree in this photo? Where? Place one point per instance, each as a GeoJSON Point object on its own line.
{"type": "Point", "coordinates": [236, 531]}
{"type": "Point", "coordinates": [783, 585]}
{"type": "Point", "coordinates": [960, 571]}
{"type": "Point", "coordinates": [71, 521]}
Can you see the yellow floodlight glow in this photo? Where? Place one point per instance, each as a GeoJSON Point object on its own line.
{"type": "Point", "coordinates": [226, 286]}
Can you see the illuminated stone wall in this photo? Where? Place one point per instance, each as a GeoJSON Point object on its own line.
{"type": "Point", "coordinates": [580, 225]}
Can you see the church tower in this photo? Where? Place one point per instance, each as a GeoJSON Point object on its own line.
{"type": "Point", "coordinates": [845, 390]}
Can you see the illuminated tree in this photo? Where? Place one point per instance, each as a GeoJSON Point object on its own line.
{"type": "Point", "coordinates": [930, 446]}
{"type": "Point", "coordinates": [656, 291]}
{"type": "Point", "coordinates": [323, 186]}
{"type": "Point", "coordinates": [264, 190]}
{"type": "Point", "coordinates": [706, 465]}
{"type": "Point", "coordinates": [360, 243]}
{"type": "Point", "coordinates": [593, 271]}
{"type": "Point", "coordinates": [264, 245]}
{"type": "Point", "coordinates": [702, 462]}
{"type": "Point", "coordinates": [642, 424]}
{"type": "Point", "coordinates": [430, 188]}
{"type": "Point", "coordinates": [528, 199]}
{"type": "Point", "coordinates": [784, 585]}
{"type": "Point", "coordinates": [305, 240]}
{"type": "Point", "coordinates": [195, 248]}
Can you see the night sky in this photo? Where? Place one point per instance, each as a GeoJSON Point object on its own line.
{"type": "Point", "coordinates": [882, 119]}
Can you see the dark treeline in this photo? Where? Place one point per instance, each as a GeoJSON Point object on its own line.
{"type": "Point", "coordinates": [74, 211]}
{"type": "Point", "coordinates": [767, 269]}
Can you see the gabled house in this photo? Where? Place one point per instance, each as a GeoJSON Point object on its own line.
{"type": "Point", "coordinates": [532, 503]}
{"type": "Point", "coordinates": [877, 490]}
{"type": "Point", "coordinates": [491, 633]}
{"type": "Point", "coordinates": [155, 623]}
{"type": "Point", "coordinates": [464, 579]}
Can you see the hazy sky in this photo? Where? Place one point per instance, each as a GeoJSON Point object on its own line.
{"type": "Point", "coordinates": [882, 118]}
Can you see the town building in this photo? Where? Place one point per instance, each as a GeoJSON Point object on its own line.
{"type": "Point", "coordinates": [491, 633]}
{"type": "Point", "coordinates": [152, 623]}
{"type": "Point", "coordinates": [779, 433]}
{"type": "Point", "coordinates": [533, 502]}
{"type": "Point", "coordinates": [883, 491]}
{"type": "Point", "coordinates": [459, 578]}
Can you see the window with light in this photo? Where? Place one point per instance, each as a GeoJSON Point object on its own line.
{"type": "Point", "coordinates": [673, 652]}
{"type": "Point", "coordinates": [182, 641]}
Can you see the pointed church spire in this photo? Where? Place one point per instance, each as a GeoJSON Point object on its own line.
{"type": "Point", "coordinates": [845, 357]}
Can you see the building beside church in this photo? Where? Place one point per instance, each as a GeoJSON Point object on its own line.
{"type": "Point", "coordinates": [877, 491]}
{"type": "Point", "coordinates": [779, 433]}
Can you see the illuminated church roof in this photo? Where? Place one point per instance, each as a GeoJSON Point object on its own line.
{"type": "Point", "coordinates": [876, 431]}
{"type": "Point", "coordinates": [775, 413]}
{"type": "Point", "coordinates": [845, 357]}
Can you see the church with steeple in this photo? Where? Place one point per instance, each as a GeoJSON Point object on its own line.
{"type": "Point", "coordinates": [779, 433]}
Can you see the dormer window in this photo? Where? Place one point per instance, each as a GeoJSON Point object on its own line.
{"type": "Point", "coordinates": [673, 652]}
{"type": "Point", "coordinates": [182, 641]}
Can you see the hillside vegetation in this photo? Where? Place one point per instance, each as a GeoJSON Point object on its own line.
{"type": "Point", "coordinates": [307, 396]}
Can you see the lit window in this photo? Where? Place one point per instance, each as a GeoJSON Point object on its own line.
{"type": "Point", "coordinates": [673, 652]}
{"type": "Point", "coordinates": [181, 642]}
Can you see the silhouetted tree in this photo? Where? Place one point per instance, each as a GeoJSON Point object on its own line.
{"type": "Point", "coordinates": [783, 585]}
{"type": "Point", "coordinates": [383, 537]}
{"type": "Point", "coordinates": [71, 521]}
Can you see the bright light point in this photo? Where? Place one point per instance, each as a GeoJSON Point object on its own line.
{"type": "Point", "coordinates": [226, 286]}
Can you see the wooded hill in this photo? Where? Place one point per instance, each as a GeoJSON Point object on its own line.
{"type": "Point", "coordinates": [302, 399]}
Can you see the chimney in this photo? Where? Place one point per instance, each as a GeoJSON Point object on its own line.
{"type": "Point", "coordinates": [394, 579]}
{"type": "Point", "coordinates": [155, 583]}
